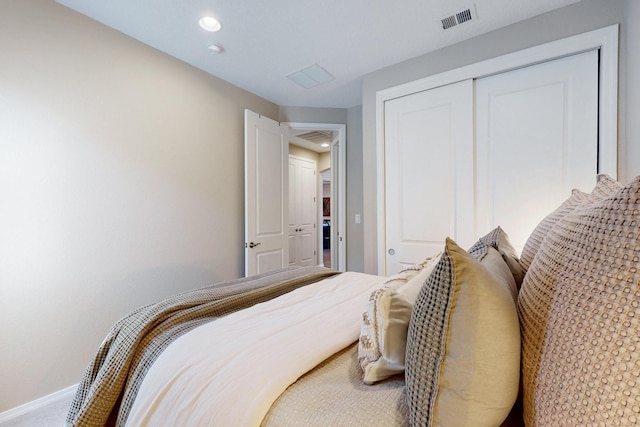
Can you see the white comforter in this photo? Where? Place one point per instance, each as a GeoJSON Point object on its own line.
{"type": "Point", "coordinates": [230, 371]}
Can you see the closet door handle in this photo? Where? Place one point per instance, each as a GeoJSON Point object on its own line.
{"type": "Point", "coordinates": [253, 245]}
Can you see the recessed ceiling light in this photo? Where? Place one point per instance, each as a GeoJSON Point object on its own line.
{"type": "Point", "coordinates": [210, 24]}
{"type": "Point", "coordinates": [324, 144]}
{"type": "Point", "coordinates": [215, 48]}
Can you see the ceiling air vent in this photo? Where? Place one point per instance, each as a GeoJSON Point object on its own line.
{"type": "Point", "coordinates": [311, 76]}
{"type": "Point", "coordinates": [317, 136]}
{"type": "Point", "coordinates": [460, 17]}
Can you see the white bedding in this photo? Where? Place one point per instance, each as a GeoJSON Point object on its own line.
{"type": "Point", "coordinates": [230, 371]}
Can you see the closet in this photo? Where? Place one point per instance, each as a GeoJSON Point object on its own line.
{"type": "Point", "coordinates": [504, 149]}
{"type": "Point", "coordinates": [303, 212]}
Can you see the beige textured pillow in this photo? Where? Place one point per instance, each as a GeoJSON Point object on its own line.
{"type": "Point", "coordinates": [463, 345]}
{"type": "Point", "coordinates": [383, 337]}
{"type": "Point", "coordinates": [605, 187]}
{"type": "Point", "coordinates": [580, 317]}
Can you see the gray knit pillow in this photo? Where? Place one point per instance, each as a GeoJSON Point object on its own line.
{"type": "Point", "coordinates": [499, 240]}
{"type": "Point", "coordinates": [535, 239]}
{"type": "Point", "coordinates": [605, 187]}
{"type": "Point", "coordinates": [580, 318]}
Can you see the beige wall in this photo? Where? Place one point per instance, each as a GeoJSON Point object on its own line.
{"type": "Point", "coordinates": [324, 161]}
{"type": "Point", "coordinates": [295, 150]}
{"type": "Point", "coordinates": [121, 182]}
{"type": "Point", "coordinates": [575, 19]}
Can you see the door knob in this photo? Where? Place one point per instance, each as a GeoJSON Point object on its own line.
{"type": "Point", "coordinates": [253, 245]}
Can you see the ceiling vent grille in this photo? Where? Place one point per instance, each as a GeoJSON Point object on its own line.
{"type": "Point", "coordinates": [460, 17]}
{"type": "Point", "coordinates": [311, 76]}
{"type": "Point", "coordinates": [317, 136]}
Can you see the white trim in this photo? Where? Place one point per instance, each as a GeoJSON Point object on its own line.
{"type": "Point", "coordinates": [604, 39]}
{"type": "Point", "coordinates": [608, 101]}
{"type": "Point", "coordinates": [339, 232]}
{"type": "Point", "coordinates": [38, 404]}
{"type": "Point", "coordinates": [340, 237]}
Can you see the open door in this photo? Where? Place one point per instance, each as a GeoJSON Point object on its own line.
{"type": "Point", "coordinates": [266, 159]}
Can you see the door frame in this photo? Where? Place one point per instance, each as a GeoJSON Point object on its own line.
{"type": "Point", "coordinates": [338, 192]}
{"type": "Point", "coordinates": [605, 40]}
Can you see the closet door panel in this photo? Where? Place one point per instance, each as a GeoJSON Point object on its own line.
{"type": "Point", "coordinates": [428, 173]}
{"type": "Point", "coordinates": [308, 213]}
{"type": "Point", "coordinates": [293, 219]}
{"type": "Point", "coordinates": [537, 139]}
{"type": "Point", "coordinates": [303, 212]}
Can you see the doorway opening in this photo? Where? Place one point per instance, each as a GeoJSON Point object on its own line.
{"type": "Point", "coordinates": [328, 142]}
{"type": "Point", "coordinates": [325, 177]}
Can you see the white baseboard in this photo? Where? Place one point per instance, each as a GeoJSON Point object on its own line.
{"type": "Point", "coordinates": [38, 404]}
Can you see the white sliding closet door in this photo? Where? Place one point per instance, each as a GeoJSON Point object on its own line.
{"type": "Point", "coordinates": [428, 173]}
{"type": "Point", "coordinates": [537, 138]}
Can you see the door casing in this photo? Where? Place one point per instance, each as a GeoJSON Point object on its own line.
{"type": "Point", "coordinates": [338, 192]}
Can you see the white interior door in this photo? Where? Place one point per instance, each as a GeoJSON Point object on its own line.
{"type": "Point", "coordinates": [302, 211]}
{"type": "Point", "coordinates": [537, 138]}
{"type": "Point", "coordinates": [266, 196]}
{"type": "Point", "coordinates": [428, 173]}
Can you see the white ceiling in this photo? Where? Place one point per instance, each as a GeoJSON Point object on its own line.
{"type": "Point", "coordinates": [264, 41]}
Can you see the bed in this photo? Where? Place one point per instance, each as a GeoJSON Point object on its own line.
{"type": "Point", "coordinates": [251, 350]}
{"type": "Point", "coordinates": [438, 344]}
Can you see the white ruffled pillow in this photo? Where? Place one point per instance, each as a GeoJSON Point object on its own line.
{"type": "Point", "coordinates": [385, 321]}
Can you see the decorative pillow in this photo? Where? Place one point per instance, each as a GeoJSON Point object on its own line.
{"type": "Point", "coordinates": [403, 276]}
{"type": "Point", "coordinates": [579, 311]}
{"type": "Point", "coordinates": [532, 244]}
{"type": "Point", "coordinates": [605, 187]}
{"type": "Point", "coordinates": [383, 337]}
{"type": "Point", "coordinates": [499, 240]}
{"type": "Point", "coordinates": [463, 345]}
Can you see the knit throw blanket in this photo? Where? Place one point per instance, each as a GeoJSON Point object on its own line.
{"type": "Point", "coordinates": [112, 379]}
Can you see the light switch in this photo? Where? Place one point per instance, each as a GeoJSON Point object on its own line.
{"type": "Point", "coordinates": [357, 219]}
